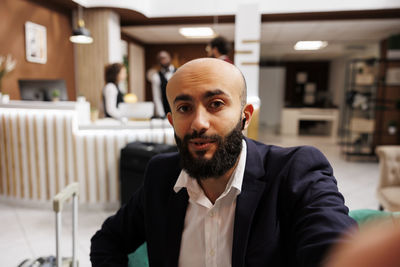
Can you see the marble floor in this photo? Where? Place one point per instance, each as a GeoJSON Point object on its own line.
{"type": "Point", "coordinates": [30, 232]}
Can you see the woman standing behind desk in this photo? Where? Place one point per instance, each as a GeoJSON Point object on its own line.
{"type": "Point", "coordinates": [112, 96]}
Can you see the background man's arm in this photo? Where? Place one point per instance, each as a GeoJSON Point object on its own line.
{"type": "Point", "coordinates": [157, 98]}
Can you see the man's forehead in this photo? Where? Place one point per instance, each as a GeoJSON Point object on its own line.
{"type": "Point", "coordinates": [200, 85]}
{"type": "Point", "coordinates": [190, 95]}
{"type": "Point", "coordinates": [205, 75]}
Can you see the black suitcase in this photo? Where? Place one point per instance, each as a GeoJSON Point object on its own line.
{"type": "Point", "coordinates": [133, 162]}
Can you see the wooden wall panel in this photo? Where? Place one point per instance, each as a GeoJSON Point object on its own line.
{"type": "Point", "coordinates": [137, 73]}
{"type": "Point", "coordinates": [92, 58]}
{"type": "Point", "coordinates": [60, 60]}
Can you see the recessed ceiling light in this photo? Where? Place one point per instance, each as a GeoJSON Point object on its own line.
{"type": "Point", "coordinates": [310, 45]}
{"type": "Point", "coordinates": [197, 32]}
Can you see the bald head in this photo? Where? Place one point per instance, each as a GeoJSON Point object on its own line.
{"type": "Point", "coordinates": [208, 71]}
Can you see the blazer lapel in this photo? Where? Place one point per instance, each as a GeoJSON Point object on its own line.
{"type": "Point", "coordinates": [246, 203]}
{"type": "Point", "coordinates": [176, 218]}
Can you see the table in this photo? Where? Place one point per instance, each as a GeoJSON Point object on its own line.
{"type": "Point", "coordinates": [291, 118]}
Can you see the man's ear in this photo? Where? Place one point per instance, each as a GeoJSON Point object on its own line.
{"type": "Point", "coordinates": [169, 117]}
{"type": "Point", "coordinates": [248, 114]}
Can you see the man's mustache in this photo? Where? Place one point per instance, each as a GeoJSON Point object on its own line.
{"type": "Point", "coordinates": [197, 134]}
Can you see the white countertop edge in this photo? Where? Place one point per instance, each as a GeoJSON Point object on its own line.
{"type": "Point", "coordinates": [63, 105]}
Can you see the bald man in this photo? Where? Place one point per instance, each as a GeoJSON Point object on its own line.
{"type": "Point", "coordinates": [225, 200]}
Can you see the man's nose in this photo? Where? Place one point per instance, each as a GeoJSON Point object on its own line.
{"type": "Point", "coordinates": [200, 121]}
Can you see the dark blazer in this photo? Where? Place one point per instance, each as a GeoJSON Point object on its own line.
{"type": "Point", "coordinates": [289, 212]}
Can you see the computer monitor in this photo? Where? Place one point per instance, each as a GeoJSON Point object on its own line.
{"type": "Point", "coordinates": [42, 90]}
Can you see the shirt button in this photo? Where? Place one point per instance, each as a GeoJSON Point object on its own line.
{"type": "Point", "coordinates": [211, 214]}
{"type": "Point", "coordinates": [212, 252]}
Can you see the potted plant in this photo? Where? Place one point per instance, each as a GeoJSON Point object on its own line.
{"type": "Point", "coordinates": [7, 64]}
{"type": "Point", "coordinates": [55, 95]}
{"type": "Point", "coordinates": [392, 127]}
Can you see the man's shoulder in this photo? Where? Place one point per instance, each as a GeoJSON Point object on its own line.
{"type": "Point", "coordinates": [164, 163]}
{"type": "Point", "coordinates": [275, 149]}
{"type": "Point", "coordinates": [279, 155]}
{"type": "Point", "coordinates": [155, 77]}
{"type": "Point", "coordinates": [165, 158]}
{"type": "Point", "coordinates": [162, 170]}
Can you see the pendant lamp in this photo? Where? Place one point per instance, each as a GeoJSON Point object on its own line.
{"type": "Point", "coordinates": [81, 35]}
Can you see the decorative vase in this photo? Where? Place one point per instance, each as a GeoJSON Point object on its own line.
{"type": "Point", "coordinates": [94, 115]}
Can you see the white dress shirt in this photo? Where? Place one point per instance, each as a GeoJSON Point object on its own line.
{"type": "Point", "coordinates": [110, 92]}
{"type": "Point", "coordinates": [156, 90]}
{"type": "Point", "coordinates": [208, 230]}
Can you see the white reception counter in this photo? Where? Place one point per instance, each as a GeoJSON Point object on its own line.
{"type": "Point", "coordinates": [45, 145]}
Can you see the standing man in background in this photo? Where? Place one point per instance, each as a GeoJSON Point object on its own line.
{"type": "Point", "coordinates": [219, 48]}
{"type": "Point", "coordinates": [159, 83]}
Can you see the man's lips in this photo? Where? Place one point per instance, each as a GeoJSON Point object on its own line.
{"type": "Point", "coordinates": [201, 144]}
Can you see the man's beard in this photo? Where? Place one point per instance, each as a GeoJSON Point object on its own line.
{"type": "Point", "coordinates": [224, 158]}
{"type": "Point", "coordinates": [165, 66]}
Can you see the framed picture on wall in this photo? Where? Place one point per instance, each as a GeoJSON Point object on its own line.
{"type": "Point", "coordinates": [35, 43]}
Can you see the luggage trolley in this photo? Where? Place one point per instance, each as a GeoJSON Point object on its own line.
{"type": "Point", "coordinates": [72, 190]}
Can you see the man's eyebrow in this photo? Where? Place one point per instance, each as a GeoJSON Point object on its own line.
{"type": "Point", "coordinates": [183, 97]}
{"type": "Point", "coordinates": [213, 93]}
{"type": "Point", "coordinates": [209, 94]}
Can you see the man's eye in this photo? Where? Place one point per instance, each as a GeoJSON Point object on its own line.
{"type": "Point", "coordinates": [216, 104]}
{"type": "Point", "coordinates": [183, 108]}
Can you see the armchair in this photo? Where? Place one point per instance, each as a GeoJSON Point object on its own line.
{"type": "Point", "coordinates": [388, 191]}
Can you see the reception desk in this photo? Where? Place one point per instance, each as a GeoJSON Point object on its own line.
{"type": "Point", "coordinates": [45, 146]}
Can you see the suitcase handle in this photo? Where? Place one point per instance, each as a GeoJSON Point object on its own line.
{"type": "Point", "coordinates": [71, 190]}
{"type": "Point", "coordinates": [64, 195]}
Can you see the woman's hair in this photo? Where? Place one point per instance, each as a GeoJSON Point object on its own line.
{"type": "Point", "coordinates": [111, 72]}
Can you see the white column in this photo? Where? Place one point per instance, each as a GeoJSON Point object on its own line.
{"type": "Point", "coordinates": [114, 38]}
{"type": "Point", "coordinates": [247, 45]}
{"type": "Point", "coordinates": [247, 54]}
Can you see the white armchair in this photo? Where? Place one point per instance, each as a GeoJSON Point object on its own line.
{"type": "Point", "coordinates": [388, 191]}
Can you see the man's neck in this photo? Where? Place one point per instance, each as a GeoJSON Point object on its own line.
{"type": "Point", "coordinates": [165, 68]}
{"type": "Point", "coordinates": [217, 54]}
{"type": "Point", "coordinates": [214, 187]}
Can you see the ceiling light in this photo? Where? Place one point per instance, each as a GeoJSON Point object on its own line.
{"type": "Point", "coordinates": [310, 45]}
{"type": "Point", "coordinates": [197, 32]}
{"type": "Point", "coordinates": [81, 35]}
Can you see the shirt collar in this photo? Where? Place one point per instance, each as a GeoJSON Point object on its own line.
{"type": "Point", "coordinates": [170, 68]}
{"type": "Point", "coordinates": [185, 181]}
